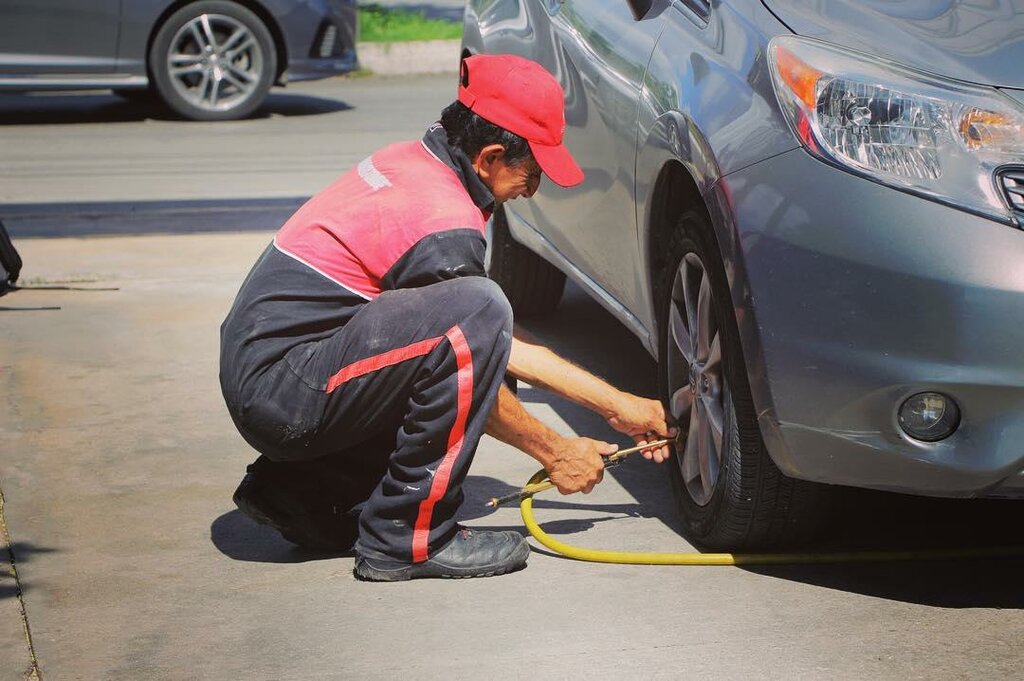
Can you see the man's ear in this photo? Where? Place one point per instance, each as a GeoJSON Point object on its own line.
{"type": "Point", "coordinates": [487, 159]}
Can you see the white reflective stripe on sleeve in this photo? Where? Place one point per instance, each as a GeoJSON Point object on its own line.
{"type": "Point", "coordinates": [371, 175]}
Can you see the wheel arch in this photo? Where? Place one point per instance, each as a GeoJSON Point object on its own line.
{"type": "Point", "coordinates": [675, 191]}
{"type": "Point", "coordinates": [677, 171]}
{"type": "Point", "coordinates": [280, 47]}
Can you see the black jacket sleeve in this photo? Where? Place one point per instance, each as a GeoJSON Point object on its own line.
{"type": "Point", "coordinates": [436, 257]}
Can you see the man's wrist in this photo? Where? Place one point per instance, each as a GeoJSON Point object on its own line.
{"type": "Point", "coordinates": [617, 404]}
{"type": "Point", "coordinates": [547, 451]}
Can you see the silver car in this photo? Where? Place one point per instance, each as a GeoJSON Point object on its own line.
{"type": "Point", "coordinates": [206, 59]}
{"type": "Point", "coordinates": [810, 212]}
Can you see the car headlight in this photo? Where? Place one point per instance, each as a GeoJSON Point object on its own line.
{"type": "Point", "coordinates": [904, 128]}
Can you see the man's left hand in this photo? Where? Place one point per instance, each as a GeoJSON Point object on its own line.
{"type": "Point", "coordinates": [645, 421]}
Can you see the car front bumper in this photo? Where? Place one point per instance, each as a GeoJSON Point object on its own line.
{"type": "Point", "coordinates": [852, 296]}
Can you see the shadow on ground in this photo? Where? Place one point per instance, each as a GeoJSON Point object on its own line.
{"type": "Point", "coordinates": [105, 107]}
{"type": "Point", "coordinates": [965, 583]}
{"type": "Point", "coordinates": [18, 553]}
{"type": "Point", "coordinates": [239, 538]}
{"type": "Point", "coordinates": [866, 520]}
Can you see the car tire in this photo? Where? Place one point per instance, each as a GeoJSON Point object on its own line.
{"type": "Point", "coordinates": [730, 494]}
{"type": "Point", "coordinates": [532, 285]}
{"type": "Point", "coordinates": [213, 60]}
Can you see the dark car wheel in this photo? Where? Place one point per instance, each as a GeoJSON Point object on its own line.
{"type": "Point", "coordinates": [212, 61]}
{"type": "Point", "coordinates": [531, 284]}
{"type": "Point", "coordinates": [730, 494]}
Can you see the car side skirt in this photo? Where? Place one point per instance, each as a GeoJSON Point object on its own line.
{"type": "Point", "coordinates": [98, 81]}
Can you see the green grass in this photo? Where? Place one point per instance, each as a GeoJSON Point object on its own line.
{"type": "Point", "coordinates": [381, 25]}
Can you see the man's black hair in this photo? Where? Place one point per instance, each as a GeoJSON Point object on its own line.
{"type": "Point", "coordinates": [471, 133]}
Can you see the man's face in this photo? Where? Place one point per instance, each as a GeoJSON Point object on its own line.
{"type": "Point", "coordinates": [506, 181]}
{"type": "Point", "coordinates": [512, 181]}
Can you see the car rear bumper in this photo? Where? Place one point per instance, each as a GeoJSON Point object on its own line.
{"type": "Point", "coordinates": [321, 39]}
{"type": "Point", "coordinates": [861, 296]}
{"type": "Point", "coordinates": [314, 69]}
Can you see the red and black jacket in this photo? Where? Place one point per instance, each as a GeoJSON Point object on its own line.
{"type": "Point", "coordinates": [410, 215]}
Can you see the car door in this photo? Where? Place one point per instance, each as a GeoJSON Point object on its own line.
{"type": "Point", "coordinates": [58, 37]}
{"type": "Point", "coordinates": [599, 52]}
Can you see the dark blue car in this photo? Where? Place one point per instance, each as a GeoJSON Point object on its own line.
{"type": "Point", "coordinates": [207, 60]}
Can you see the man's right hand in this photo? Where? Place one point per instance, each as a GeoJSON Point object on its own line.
{"type": "Point", "coordinates": [578, 464]}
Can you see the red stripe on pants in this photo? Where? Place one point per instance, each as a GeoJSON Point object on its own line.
{"type": "Point", "coordinates": [385, 359]}
{"type": "Point", "coordinates": [439, 485]}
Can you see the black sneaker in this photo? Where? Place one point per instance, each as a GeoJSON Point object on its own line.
{"type": "Point", "coordinates": [307, 522]}
{"type": "Point", "coordinates": [469, 554]}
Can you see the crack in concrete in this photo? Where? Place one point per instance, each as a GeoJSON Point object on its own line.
{"type": "Point", "coordinates": [32, 673]}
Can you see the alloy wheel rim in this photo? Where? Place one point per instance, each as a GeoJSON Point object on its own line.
{"type": "Point", "coordinates": [215, 62]}
{"type": "Point", "coordinates": [695, 378]}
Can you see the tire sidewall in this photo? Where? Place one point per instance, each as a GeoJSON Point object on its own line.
{"type": "Point", "coordinates": [163, 81]}
{"type": "Point", "coordinates": [704, 524]}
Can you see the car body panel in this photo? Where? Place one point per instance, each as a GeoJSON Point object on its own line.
{"type": "Point", "coordinates": [85, 41]}
{"type": "Point", "coordinates": [140, 21]}
{"type": "Point", "coordinates": [978, 42]}
{"type": "Point", "coordinates": [602, 85]}
{"type": "Point", "coordinates": [707, 104]}
{"type": "Point", "coordinates": [1014, 94]}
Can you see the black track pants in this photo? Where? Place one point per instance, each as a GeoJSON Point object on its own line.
{"type": "Point", "coordinates": [424, 364]}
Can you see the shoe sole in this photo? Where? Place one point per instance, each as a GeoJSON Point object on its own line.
{"type": "Point", "coordinates": [367, 572]}
{"type": "Point", "coordinates": [253, 511]}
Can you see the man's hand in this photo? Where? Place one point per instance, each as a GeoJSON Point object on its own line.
{"type": "Point", "coordinates": [578, 464]}
{"type": "Point", "coordinates": [642, 419]}
{"type": "Point", "coordinates": [645, 421]}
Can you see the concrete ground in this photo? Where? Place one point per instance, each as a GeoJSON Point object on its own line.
{"type": "Point", "coordinates": [117, 462]}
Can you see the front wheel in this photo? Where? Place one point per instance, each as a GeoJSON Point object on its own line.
{"type": "Point", "coordinates": [213, 60]}
{"type": "Point", "coordinates": [730, 494]}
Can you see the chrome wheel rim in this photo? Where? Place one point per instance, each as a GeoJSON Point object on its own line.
{"type": "Point", "coordinates": [695, 378]}
{"type": "Point", "coordinates": [215, 62]}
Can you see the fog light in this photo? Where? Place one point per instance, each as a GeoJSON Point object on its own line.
{"type": "Point", "coordinates": [929, 416]}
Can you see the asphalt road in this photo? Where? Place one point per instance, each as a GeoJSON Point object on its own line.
{"type": "Point", "coordinates": [92, 162]}
{"type": "Point", "coordinates": [117, 459]}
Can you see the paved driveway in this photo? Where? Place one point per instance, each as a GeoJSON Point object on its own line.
{"type": "Point", "coordinates": [117, 461]}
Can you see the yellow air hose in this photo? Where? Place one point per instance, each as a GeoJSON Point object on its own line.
{"type": "Point", "coordinates": [647, 558]}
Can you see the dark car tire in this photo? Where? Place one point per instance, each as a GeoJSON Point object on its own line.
{"type": "Point", "coordinates": [532, 285]}
{"type": "Point", "coordinates": [245, 75]}
{"type": "Point", "coordinates": [752, 505]}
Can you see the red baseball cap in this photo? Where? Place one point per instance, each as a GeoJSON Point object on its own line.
{"type": "Point", "coordinates": [520, 96]}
